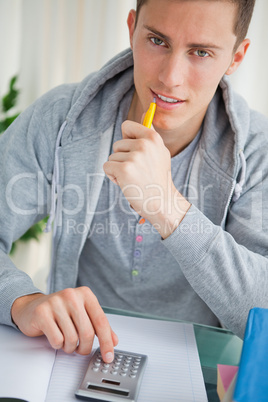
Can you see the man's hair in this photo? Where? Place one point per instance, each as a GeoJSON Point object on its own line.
{"type": "Point", "coordinates": [244, 13]}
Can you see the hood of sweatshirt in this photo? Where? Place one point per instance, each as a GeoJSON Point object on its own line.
{"type": "Point", "coordinates": [97, 97]}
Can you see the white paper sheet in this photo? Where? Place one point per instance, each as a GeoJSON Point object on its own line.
{"type": "Point", "coordinates": [173, 372]}
{"type": "Point", "coordinates": [26, 365]}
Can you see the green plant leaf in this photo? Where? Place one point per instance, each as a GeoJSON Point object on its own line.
{"type": "Point", "coordinates": [33, 233]}
{"type": "Point", "coordinates": [4, 124]}
{"type": "Point", "coordinates": [10, 99]}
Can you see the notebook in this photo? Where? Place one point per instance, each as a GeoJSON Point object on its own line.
{"type": "Point", "coordinates": [173, 372]}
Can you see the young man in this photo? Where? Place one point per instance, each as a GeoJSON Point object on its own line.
{"type": "Point", "coordinates": [180, 229]}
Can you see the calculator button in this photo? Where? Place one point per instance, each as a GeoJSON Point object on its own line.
{"type": "Point", "coordinates": [134, 371]}
{"type": "Point", "coordinates": [96, 364]}
{"type": "Point", "coordinates": [135, 366]}
{"type": "Point", "coordinates": [123, 374]}
{"type": "Point", "coordinates": [132, 375]}
{"type": "Point", "coordinates": [104, 370]}
{"type": "Point", "coordinates": [124, 369]}
{"type": "Point", "coordinates": [126, 364]}
{"type": "Point", "coordinates": [95, 369]}
{"type": "Point", "coordinates": [116, 364]}
{"type": "Point", "coordinates": [106, 365]}
{"type": "Point", "coordinates": [114, 372]}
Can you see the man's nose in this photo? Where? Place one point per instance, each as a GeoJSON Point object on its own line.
{"type": "Point", "coordinates": [173, 70]}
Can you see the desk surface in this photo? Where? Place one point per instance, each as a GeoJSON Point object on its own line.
{"type": "Point", "coordinates": [215, 346]}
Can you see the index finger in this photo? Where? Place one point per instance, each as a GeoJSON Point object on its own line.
{"type": "Point", "coordinates": [103, 330]}
{"type": "Point", "coordinates": [134, 130]}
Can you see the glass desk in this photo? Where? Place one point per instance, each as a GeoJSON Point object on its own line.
{"type": "Point", "coordinates": [215, 346]}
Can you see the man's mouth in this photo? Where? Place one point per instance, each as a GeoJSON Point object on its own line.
{"type": "Point", "coordinates": [168, 100]}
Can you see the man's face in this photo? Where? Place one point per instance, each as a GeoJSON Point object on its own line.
{"type": "Point", "coordinates": [181, 51]}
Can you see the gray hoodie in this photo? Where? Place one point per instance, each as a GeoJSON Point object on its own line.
{"type": "Point", "coordinates": [52, 162]}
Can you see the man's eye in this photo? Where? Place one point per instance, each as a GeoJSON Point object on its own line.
{"type": "Point", "coordinates": [201, 53]}
{"type": "Point", "coordinates": [157, 41]}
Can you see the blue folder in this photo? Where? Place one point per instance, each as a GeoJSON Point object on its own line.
{"type": "Point", "coordinates": [252, 377]}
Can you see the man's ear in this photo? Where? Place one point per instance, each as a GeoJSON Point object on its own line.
{"type": "Point", "coordinates": [238, 56]}
{"type": "Point", "coordinates": [131, 25]}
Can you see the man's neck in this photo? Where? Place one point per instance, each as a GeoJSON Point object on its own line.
{"type": "Point", "coordinates": [177, 140]}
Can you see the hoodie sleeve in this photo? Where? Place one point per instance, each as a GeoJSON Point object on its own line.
{"type": "Point", "coordinates": [26, 166]}
{"type": "Point", "coordinates": [228, 268]}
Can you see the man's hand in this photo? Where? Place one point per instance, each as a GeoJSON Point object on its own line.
{"type": "Point", "coordinates": [141, 166]}
{"type": "Point", "coordinates": [69, 319]}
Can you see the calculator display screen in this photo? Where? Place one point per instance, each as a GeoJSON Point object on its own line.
{"type": "Point", "coordinates": [110, 382]}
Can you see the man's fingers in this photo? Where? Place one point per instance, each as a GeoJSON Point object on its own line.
{"type": "Point", "coordinates": [133, 130]}
{"type": "Point", "coordinates": [86, 333]}
{"type": "Point", "coordinates": [74, 321]}
{"type": "Point", "coordinates": [54, 335]}
{"type": "Point", "coordinates": [110, 169]}
{"type": "Point", "coordinates": [123, 145]}
{"type": "Point", "coordinates": [119, 157]}
{"type": "Point", "coordinates": [104, 334]}
{"type": "Point", "coordinates": [114, 338]}
{"type": "Point", "coordinates": [69, 319]}
{"type": "Point", "coordinates": [55, 322]}
{"type": "Point", "coordinates": [69, 333]}
{"type": "Point", "coordinates": [102, 329]}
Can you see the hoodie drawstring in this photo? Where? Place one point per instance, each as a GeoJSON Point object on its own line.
{"type": "Point", "coordinates": [239, 186]}
{"type": "Point", "coordinates": [55, 181]}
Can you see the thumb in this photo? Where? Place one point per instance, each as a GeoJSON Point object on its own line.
{"type": "Point", "coordinates": [114, 337]}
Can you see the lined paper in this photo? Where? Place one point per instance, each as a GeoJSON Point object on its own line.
{"type": "Point", "coordinates": [173, 372]}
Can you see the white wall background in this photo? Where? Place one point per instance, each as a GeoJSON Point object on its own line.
{"type": "Point", "coordinates": [251, 79]}
{"type": "Point", "coordinates": [49, 42]}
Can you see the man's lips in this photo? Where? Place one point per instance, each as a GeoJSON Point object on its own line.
{"type": "Point", "coordinates": [166, 100]}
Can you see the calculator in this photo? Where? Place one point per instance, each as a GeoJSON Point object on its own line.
{"type": "Point", "coordinates": [118, 381]}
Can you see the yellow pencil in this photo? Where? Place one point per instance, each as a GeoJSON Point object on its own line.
{"type": "Point", "coordinates": [148, 119]}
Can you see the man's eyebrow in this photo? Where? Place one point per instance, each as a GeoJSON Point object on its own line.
{"type": "Point", "coordinates": [158, 33]}
{"type": "Point", "coordinates": [190, 45]}
{"type": "Point", "coordinates": [204, 46]}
